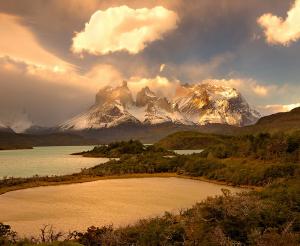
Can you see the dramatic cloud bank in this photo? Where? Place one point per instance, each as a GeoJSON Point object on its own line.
{"type": "Point", "coordinates": [123, 28]}
{"type": "Point", "coordinates": [280, 31]}
{"type": "Point", "coordinates": [247, 86]}
{"type": "Point", "coordinates": [19, 44]}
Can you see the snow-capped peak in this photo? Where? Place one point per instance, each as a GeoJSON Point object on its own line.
{"type": "Point", "coordinates": [145, 96]}
{"type": "Point", "coordinates": [201, 104]}
{"type": "Point", "coordinates": [210, 103]}
{"type": "Point", "coordinates": [109, 94]}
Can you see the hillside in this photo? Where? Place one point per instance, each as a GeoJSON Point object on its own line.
{"type": "Point", "coordinates": [24, 141]}
{"type": "Point", "coordinates": [287, 122]}
{"type": "Point", "coordinates": [151, 133]}
{"type": "Point", "coordinates": [191, 140]}
{"type": "Point", "coordinates": [284, 122]}
{"type": "Point", "coordinates": [281, 122]}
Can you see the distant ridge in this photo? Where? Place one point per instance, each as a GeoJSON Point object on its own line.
{"type": "Point", "coordinates": [11, 140]}
{"type": "Point", "coordinates": [280, 122]}
{"type": "Point", "coordinates": [4, 128]}
{"type": "Point", "coordinates": [287, 122]}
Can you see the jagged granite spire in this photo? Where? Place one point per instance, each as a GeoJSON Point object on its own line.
{"type": "Point", "coordinates": [201, 104]}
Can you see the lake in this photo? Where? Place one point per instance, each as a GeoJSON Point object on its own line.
{"type": "Point", "coordinates": [188, 151]}
{"type": "Point", "coordinates": [117, 201]}
{"type": "Point", "coordinates": [45, 161]}
{"type": "Point", "coordinates": [54, 160]}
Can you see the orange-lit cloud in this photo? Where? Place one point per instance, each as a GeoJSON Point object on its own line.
{"type": "Point", "coordinates": [20, 45]}
{"type": "Point", "coordinates": [162, 67]}
{"type": "Point", "coordinates": [280, 31]}
{"type": "Point", "coordinates": [104, 74]}
{"type": "Point", "coordinates": [46, 76]}
{"type": "Point", "coordinates": [21, 53]}
{"type": "Point", "coordinates": [160, 85]}
{"type": "Point", "coordinates": [245, 85]}
{"type": "Point", "coordinates": [123, 28]}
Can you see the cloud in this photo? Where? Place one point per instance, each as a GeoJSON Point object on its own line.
{"type": "Point", "coordinates": [275, 108]}
{"type": "Point", "coordinates": [22, 55]}
{"type": "Point", "coordinates": [46, 76]}
{"type": "Point", "coordinates": [162, 67]}
{"type": "Point", "coordinates": [162, 86]}
{"type": "Point", "coordinates": [20, 45]}
{"type": "Point", "coordinates": [123, 28]}
{"type": "Point", "coordinates": [259, 89]}
{"type": "Point", "coordinates": [49, 96]}
{"type": "Point", "coordinates": [247, 86]}
{"type": "Point", "coordinates": [280, 31]}
{"type": "Point", "coordinates": [193, 71]}
{"type": "Point", "coordinates": [104, 74]}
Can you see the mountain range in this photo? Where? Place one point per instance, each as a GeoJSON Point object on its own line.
{"type": "Point", "coordinates": [280, 122]}
{"type": "Point", "coordinates": [197, 105]}
{"type": "Point", "coordinates": [118, 114]}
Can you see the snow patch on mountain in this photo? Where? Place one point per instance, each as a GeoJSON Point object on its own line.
{"type": "Point", "coordinates": [200, 104]}
{"type": "Point", "coordinates": [109, 115]}
{"type": "Point", "coordinates": [210, 103]}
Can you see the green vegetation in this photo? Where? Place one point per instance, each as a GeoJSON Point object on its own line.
{"type": "Point", "coordinates": [235, 171]}
{"type": "Point", "coordinates": [191, 140]}
{"type": "Point", "coordinates": [278, 147]}
{"type": "Point", "coordinates": [280, 122]}
{"type": "Point", "coordinates": [266, 216]}
{"type": "Point", "coordinates": [117, 149]}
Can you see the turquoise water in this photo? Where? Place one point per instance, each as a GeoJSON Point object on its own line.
{"type": "Point", "coordinates": [45, 161]}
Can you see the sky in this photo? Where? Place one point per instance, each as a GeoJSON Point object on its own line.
{"type": "Point", "coordinates": [56, 54]}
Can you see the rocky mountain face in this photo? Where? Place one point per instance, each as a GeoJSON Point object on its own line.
{"type": "Point", "coordinates": [209, 103]}
{"type": "Point", "coordinates": [110, 109]}
{"type": "Point", "coordinates": [200, 104]}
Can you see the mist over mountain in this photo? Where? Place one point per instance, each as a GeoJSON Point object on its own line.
{"type": "Point", "coordinates": [4, 128]}
{"type": "Point", "coordinates": [19, 121]}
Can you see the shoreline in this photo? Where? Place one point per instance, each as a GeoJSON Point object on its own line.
{"type": "Point", "coordinates": [86, 179]}
{"type": "Point", "coordinates": [16, 148]}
